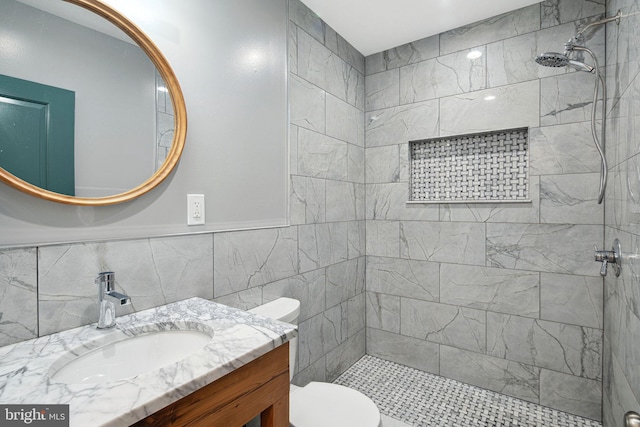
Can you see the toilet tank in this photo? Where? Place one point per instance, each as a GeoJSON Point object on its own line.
{"type": "Point", "coordinates": [285, 310]}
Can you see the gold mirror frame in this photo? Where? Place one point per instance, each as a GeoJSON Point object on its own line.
{"type": "Point", "coordinates": [180, 118]}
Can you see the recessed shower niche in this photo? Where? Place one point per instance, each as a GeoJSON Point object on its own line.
{"type": "Point", "coordinates": [488, 167]}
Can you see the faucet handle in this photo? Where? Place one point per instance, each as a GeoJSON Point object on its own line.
{"type": "Point", "coordinates": [613, 257]}
{"type": "Point", "coordinates": [106, 279]}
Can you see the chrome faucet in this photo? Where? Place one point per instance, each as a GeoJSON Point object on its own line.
{"type": "Point", "coordinates": [108, 299]}
{"type": "Point", "coordinates": [612, 257]}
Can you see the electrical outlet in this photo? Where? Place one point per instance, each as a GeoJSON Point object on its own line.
{"type": "Point", "coordinates": [195, 209]}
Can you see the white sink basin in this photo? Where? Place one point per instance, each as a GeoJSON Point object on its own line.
{"type": "Point", "coordinates": [125, 357]}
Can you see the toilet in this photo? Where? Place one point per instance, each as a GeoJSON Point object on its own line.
{"type": "Point", "coordinates": [319, 404]}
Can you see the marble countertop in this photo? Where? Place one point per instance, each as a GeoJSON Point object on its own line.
{"type": "Point", "coordinates": [238, 337]}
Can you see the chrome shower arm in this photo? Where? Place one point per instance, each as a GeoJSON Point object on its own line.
{"type": "Point", "coordinates": [578, 39]}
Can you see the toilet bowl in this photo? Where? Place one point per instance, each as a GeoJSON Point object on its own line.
{"type": "Point", "coordinates": [319, 404]}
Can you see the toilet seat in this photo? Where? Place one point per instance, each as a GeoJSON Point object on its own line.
{"type": "Point", "coordinates": [323, 404]}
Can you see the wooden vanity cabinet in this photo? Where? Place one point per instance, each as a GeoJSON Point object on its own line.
{"type": "Point", "coordinates": [260, 387]}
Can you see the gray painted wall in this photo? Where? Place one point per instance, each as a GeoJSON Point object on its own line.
{"type": "Point", "coordinates": [230, 59]}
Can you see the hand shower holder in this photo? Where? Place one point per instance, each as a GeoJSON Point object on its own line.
{"type": "Point", "coordinates": [612, 257]}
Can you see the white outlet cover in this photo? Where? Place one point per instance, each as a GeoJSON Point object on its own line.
{"type": "Point", "coordinates": [195, 209]}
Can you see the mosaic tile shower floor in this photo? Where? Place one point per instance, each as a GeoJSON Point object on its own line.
{"type": "Point", "coordinates": [426, 400]}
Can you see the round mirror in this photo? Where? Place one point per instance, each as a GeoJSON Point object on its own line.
{"type": "Point", "coordinates": [91, 113]}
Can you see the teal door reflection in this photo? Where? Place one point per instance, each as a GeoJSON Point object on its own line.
{"type": "Point", "coordinates": [37, 134]}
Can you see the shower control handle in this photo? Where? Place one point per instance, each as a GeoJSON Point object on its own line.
{"type": "Point", "coordinates": [613, 257]}
{"type": "Point", "coordinates": [631, 419]}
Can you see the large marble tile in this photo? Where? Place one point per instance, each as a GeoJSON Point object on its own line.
{"type": "Point", "coordinates": [407, 351]}
{"type": "Point", "coordinates": [561, 248]}
{"type": "Point", "coordinates": [500, 27]}
{"type": "Point", "coordinates": [308, 288]}
{"type": "Point", "coordinates": [308, 200]}
{"type": "Point", "coordinates": [403, 277]}
{"type": "Point", "coordinates": [310, 341]}
{"type": "Point", "coordinates": [383, 312]}
{"type": "Point", "coordinates": [344, 281]}
{"type": "Point", "coordinates": [627, 347]}
{"type": "Point", "coordinates": [343, 49]}
{"type": "Point", "coordinates": [317, 371]}
{"type": "Point", "coordinates": [355, 163]}
{"type": "Point", "coordinates": [321, 156]}
{"type": "Point", "coordinates": [389, 202]}
{"type": "Point", "coordinates": [618, 397]}
{"type": "Point", "coordinates": [356, 314]}
{"type": "Point", "coordinates": [500, 375]}
{"type": "Point", "coordinates": [444, 324]}
{"type": "Point", "coordinates": [334, 327]}
{"type": "Point", "coordinates": [493, 289]}
{"type": "Point", "coordinates": [383, 238]}
{"type": "Point", "coordinates": [567, 98]}
{"type": "Point", "coordinates": [563, 149]}
{"type": "Point", "coordinates": [306, 19]}
{"type": "Point", "coordinates": [321, 245]}
{"type": "Point", "coordinates": [503, 107]}
{"type": "Point", "coordinates": [152, 272]}
{"type": "Point", "coordinates": [293, 48]}
{"type": "Point", "coordinates": [293, 149]}
{"type": "Point", "coordinates": [526, 212]}
{"type": "Point", "coordinates": [356, 239]}
{"type": "Point", "coordinates": [410, 53]}
{"type": "Point", "coordinates": [244, 300]}
{"type": "Point", "coordinates": [246, 259]}
{"type": "Point", "coordinates": [446, 75]}
{"type": "Point", "coordinates": [576, 300]}
{"type": "Point", "coordinates": [556, 12]}
{"type": "Point", "coordinates": [575, 395]}
{"type": "Point", "coordinates": [307, 105]}
{"type": "Point", "coordinates": [398, 125]}
{"type": "Point", "coordinates": [460, 242]}
{"type": "Point", "coordinates": [344, 121]}
{"type": "Point", "coordinates": [19, 297]}
{"type": "Point", "coordinates": [570, 199]}
{"type": "Point", "coordinates": [325, 69]}
{"type": "Point", "coordinates": [346, 354]}
{"type": "Point", "coordinates": [382, 90]}
{"type": "Point", "coordinates": [345, 201]}
{"type": "Point", "coordinates": [564, 348]}
{"type": "Point", "coordinates": [382, 164]}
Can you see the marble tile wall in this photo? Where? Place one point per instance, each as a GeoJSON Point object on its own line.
{"type": "Point", "coordinates": [319, 259]}
{"type": "Point", "coordinates": [502, 296]}
{"type": "Point", "coordinates": [622, 295]}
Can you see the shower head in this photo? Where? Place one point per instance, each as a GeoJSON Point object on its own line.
{"type": "Point", "coordinates": [555, 59]}
{"type": "Point", "coordinates": [552, 59]}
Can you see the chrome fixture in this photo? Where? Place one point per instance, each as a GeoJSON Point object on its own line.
{"type": "Point", "coordinates": [108, 299]}
{"type": "Point", "coordinates": [613, 257]}
{"type": "Point", "coordinates": [573, 57]}
{"type": "Point", "coordinates": [555, 59]}
{"type": "Point", "coordinates": [631, 419]}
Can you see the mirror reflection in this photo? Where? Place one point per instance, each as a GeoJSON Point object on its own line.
{"type": "Point", "coordinates": [83, 111]}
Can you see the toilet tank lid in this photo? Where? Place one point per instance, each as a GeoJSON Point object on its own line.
{"type": "Point", "coordinates": [283, 309]}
